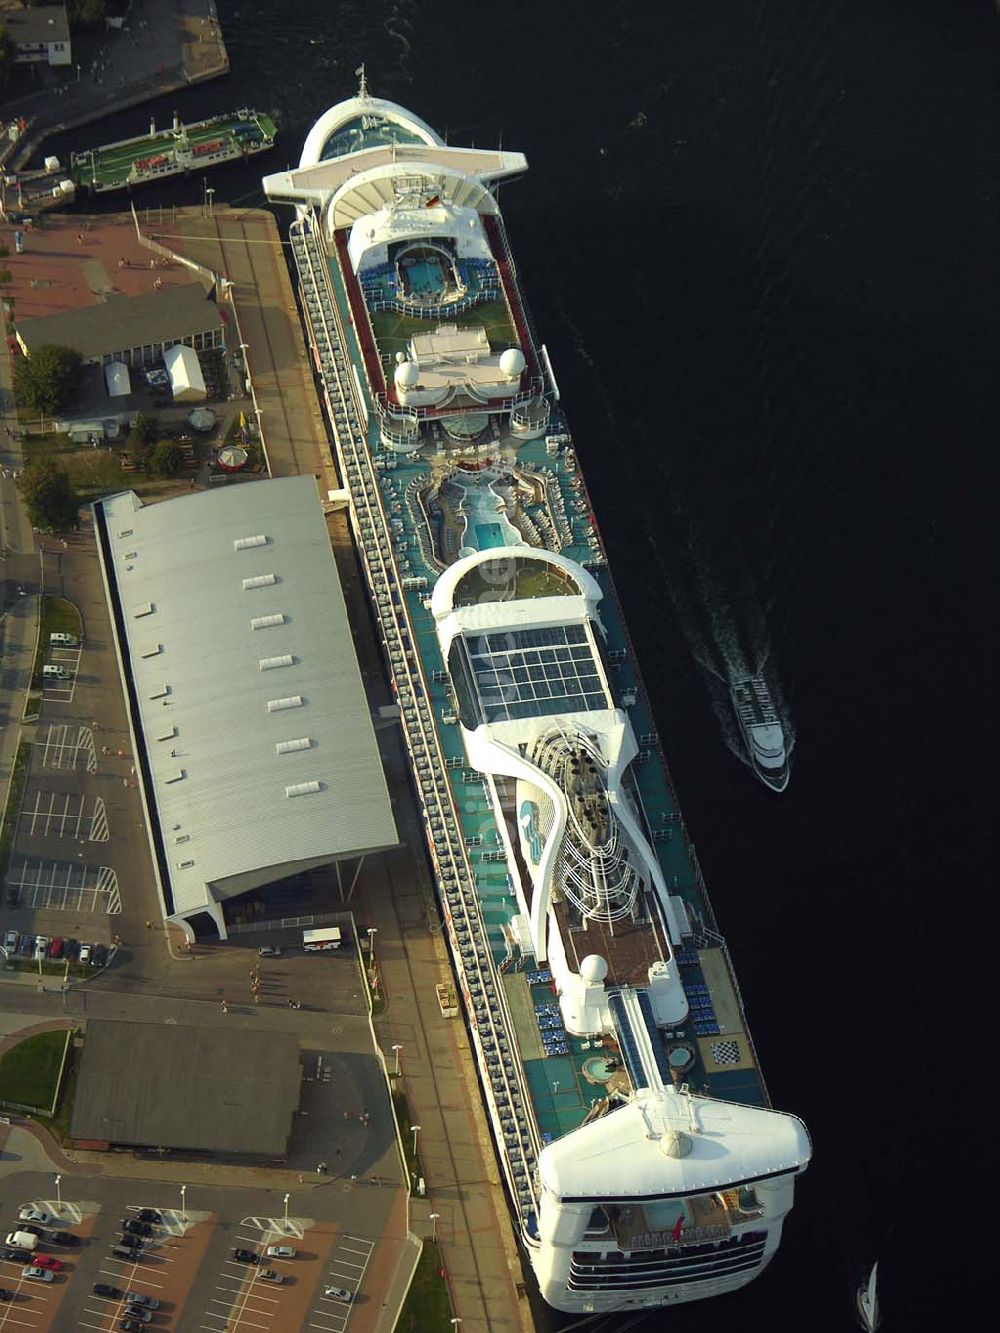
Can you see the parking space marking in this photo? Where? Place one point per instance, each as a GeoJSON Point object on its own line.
{"type": "Point", "coordinates": [65, 744]}
{"type": "Point", "coordinates": [333, 1312]}
{"type": "Point", "coordinates": [99, 822]}
{"type": "Point", "coordinates": [57, 815]}
{"type": "Point", "coordinates": [65, 885]}
{"type": "Point", "coordinates": [62, 691]}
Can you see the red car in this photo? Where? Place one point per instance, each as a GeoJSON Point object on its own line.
{"type": "Point", "coordinates": [46, 1261]}
{"type": "Point", "coordinates": [56, 948]}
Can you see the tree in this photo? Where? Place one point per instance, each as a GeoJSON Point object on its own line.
{"type": "Point", "coordinates": [165, 459]}
{"type": "Point", "coordinates": [144, 429]}
{"type": "Point", "coordinates": [49, 497]}
{"type": "Point", "coordinates": [48, 379]}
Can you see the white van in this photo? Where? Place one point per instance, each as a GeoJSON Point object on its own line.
{"type": "Point", "coordinates": [23, 1240]}
{"type": "Point", "coordinates": [50, 672]}
{"type": "Point", "coordinates": [60, 640]}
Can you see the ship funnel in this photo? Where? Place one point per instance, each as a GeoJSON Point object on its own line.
{"type": "Point", "coordinates": [152, 126]}
{"type": "Point", "coordinates": [675, 1143]}
{"type": "Point", "coordinates": [177, 121]}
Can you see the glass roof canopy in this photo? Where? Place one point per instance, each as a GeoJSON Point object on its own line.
{"type": "Point", "coordinates": [524, 673]}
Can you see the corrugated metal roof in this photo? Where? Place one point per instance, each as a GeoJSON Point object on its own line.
{"type": "Point", "coordinates": [209, 715]}
{"type": "Point", "coordinates": [124, 322]}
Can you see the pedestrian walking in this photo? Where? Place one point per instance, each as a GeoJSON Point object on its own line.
{"type": "Point", "coordinates": [225, 1007]}
{"type": "Point", "coordinates": [79, 238]}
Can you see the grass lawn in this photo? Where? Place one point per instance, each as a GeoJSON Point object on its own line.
{"type": "Point", "coordinates": [15, 794]}
{"type": "Point", "coordinates": [402, 1110]}
{"type": "Point", "coordinates": [98, 472]}
{"type": "Point", "coordinates": [29, 1073]}
{"type": "Point", "coordinates": [428, 1307]}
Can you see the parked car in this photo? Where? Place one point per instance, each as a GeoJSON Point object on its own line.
{"type": "Point", "coordinates": [13, 895]}
{"type": "Point", "coordinates": [41, 944]}
{"type": "Point", "coordinates": [135, 1228]}
{"type": "Point", "coordinates": [131, 1242]}
{"type": "Point", "coordinates": [29, 1213]}
{"type": "Point", "coordinates": [279, 1252]}
{"type": "Point", "coordinates": [46, 1261]}
{"type": "Point", "coordinates": [25, 944]}
{"type": "Point", "coordinates": [140, 1298]}
{"type": "Point", "coordinates": [128, 1325]}
{"type": "Point", "coordinates": [99, 955]}
{"type": "Point", "coordinates": [56, 947]}
{"type": "Point", "coordinates": [269, 951]}
{"type": "Point", "coordinates": [149, 1215]}
{"type": "Point", "coordinates": [10, 940]}
{"type": "Point", "coordinates": [138, 1312]}
{"type": "Point", "coordinates": [246, 1256]}
{"type": "Point", "coordinates": [338, 1294]}
{"type": "Point", "coordinates": [61, 1238]}
{"type": "Point", "coordinates": [32, 1228]}
{"type": "Point", "coordinates": [270, 1275]}
{"type": "Point", "coordinates": [71, 950]}
{"type": "Point", "coordinates": [84, 955]}
{"type": "Point", "coordinates": [112, 1293]}
{"type": "Point", "coordinates": [121, 1252]}
{"type": "Point", "coordinates": [37, 1274]}
{"type": "Point", "coordinates": [6, 1294]}
{"type": "Point", "coordinates": [12, 1255]}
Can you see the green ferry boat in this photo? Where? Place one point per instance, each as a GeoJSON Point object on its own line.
{"type": "Point", "coordinates": [169, 152]}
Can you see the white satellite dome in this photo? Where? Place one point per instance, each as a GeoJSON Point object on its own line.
{"type": "Point", "coordinates": [400, 358]}
{"type": "Point", "coordinates": [512, 362]}
{"type": "Point", "coordinates": [406, 375]}
{"type": "Point", "coordinates": [675, 1143]}
{"type": "Point", "coordinates": [594, 967]}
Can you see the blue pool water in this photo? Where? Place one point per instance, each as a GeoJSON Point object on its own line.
{"type": "Point", "coordinates": [489, 534]}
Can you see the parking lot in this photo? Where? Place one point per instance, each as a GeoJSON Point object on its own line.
{"type": "Point", "coordinates": [63, 886]}
{"type": "Point", "coordinates": [68, 660]}
{"type": "Point", "coordinates": [65, 815]}
{"type": "Point", "coordinates": [67, 745]}
{"type": "Point", "coordinates": [184, 1272]}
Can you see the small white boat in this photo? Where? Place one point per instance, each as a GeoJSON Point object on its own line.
{"type": "Point", "coordinates": [762, 731]}
{"type": "Point", "coordinates": [867, 1301]}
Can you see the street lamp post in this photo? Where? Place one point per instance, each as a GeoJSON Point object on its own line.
{"type": "Point", "coordinates": [183, 1205]}
{"type": "Point", "coordinates": [58, 1194]}
{"type": "Point", "coordinates": [372, 932]}
{"type": "Point", "coordinates": [287, 1197]}
{"type": "Point", "coordinates": [397, 1050]}
{"type": "Point", "coordinates": [416, 1131]}
{"type": "Point", "coordinates": [434, 1225]}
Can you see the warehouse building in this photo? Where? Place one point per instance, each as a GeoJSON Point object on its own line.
{"type": "Point", "coordinates": [238, 1094]}
{"type": "Point", "coordinates": [255, 746]}
{"type": "Point", "coordinates": [136, 330]}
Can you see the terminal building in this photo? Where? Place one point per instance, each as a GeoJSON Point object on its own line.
{"type": "Point", "coordinates": [255, 748]}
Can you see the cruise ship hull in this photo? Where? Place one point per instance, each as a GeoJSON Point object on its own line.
{"type": "Point", "coordinates": [643, 1163]}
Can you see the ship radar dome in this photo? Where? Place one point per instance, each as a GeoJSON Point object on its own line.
{"type": "Point", "coordinates": [400, 358]}
{"type": "Point", "coordinates": [512, 362]}
{"type": "Point", "coordinates": [406, 375]}
{"type": "Point", "coordinates": [594, 967]}
{"type": "Point", "coordinates": [675, 1143]}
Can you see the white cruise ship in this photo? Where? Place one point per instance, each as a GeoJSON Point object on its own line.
{"type": "Point", "coordinates": [643, 1161]}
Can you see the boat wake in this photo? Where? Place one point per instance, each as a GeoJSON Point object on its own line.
{"type": "Point", "coordinates": [724, 627]}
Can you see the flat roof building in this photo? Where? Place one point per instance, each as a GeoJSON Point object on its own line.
{"type": "Point", "coordinates": [134, 329]}
{"type": "Point", "coordinates": [253, 737]}
{"type": "Point", "coordinates": [163, 1085]}
{"type": "Point", "coordinates": [39, 33]}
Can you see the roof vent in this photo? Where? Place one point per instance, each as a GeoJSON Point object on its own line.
{"type": "Point", "coordinates": [259, 581]}
{"type": "Point", "coordinates": [270, 663]}
{"type": "Point", "coordinates": [146, 609]}
{"type": "Point", "coordinates": [185, 865]}
{"type": "Point", "coordinates": [167, 734]}
{"type": "Point", "coordinates": [125, 532]}
{"type": "Point", "coordinates": [289, 747]}
{"type": "Point", "coordinates": [175, 777]}
{"type": "Point", "coordinates": [247, 543]}
{"type": "Point", "coordinates": [267, 622]}
{"type": "Point", "coordinates": [151, 650]}
{"type": "Point", "coordinates": [279, 705]}
{"type": "Point", "coordinates": [160, 692]}
{"type": "Point", "coordinates": [303, 788]}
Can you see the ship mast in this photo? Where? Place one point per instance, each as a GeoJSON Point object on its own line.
{"type": "Point", "coordinates": [362, 82]}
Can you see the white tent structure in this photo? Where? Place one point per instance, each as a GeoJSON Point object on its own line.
{"type": "Point", "coordinates": [186, 380]}
{"type": "Point", "coordinates": [117, 380]}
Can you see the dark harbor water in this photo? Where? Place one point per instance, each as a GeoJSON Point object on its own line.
{"type": "Point", "coordinates": [759, 239]}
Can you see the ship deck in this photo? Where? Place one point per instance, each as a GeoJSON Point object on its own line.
{"type": "Point", "coordinates": [561, 1079]}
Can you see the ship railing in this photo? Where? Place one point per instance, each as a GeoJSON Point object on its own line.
{"type": "Point", "coordinates": [503, 1071]}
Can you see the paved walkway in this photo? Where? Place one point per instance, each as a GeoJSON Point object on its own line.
{"type": "Point", "coordinates": [168, 44]}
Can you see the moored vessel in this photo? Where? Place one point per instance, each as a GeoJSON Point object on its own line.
{"type": "Point", "coordinates": [866, 1300]}
{"type": "Point", "coordinates": [643, 1161]}
{"type": "Point", "coordinates": [170, 152]}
